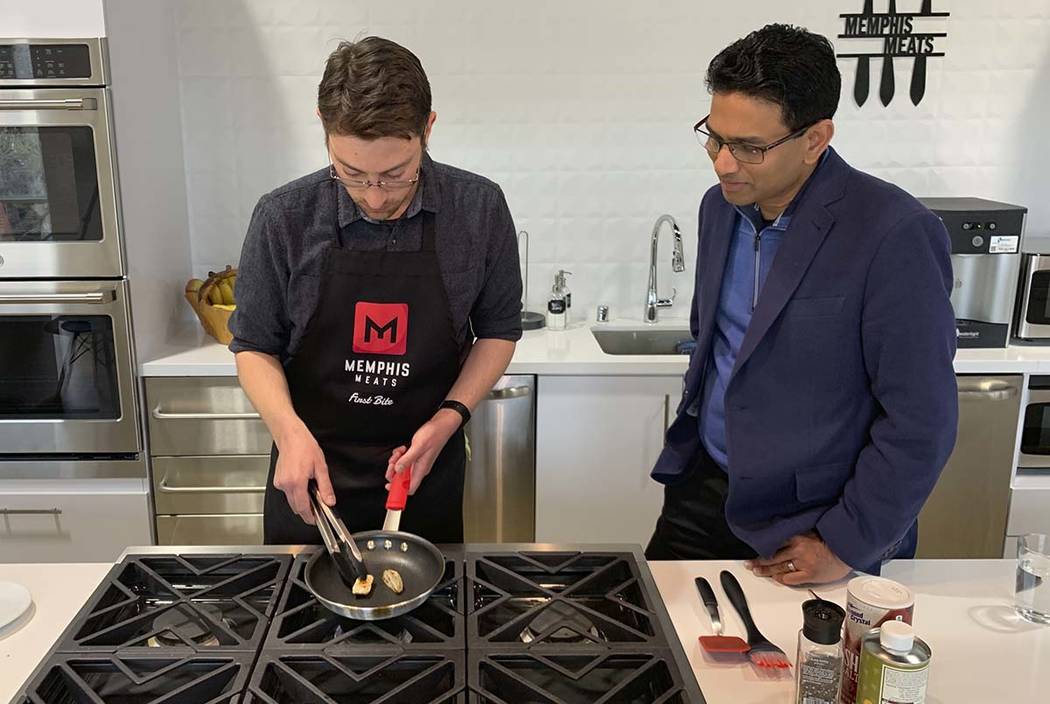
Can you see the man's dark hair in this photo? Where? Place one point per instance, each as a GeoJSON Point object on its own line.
{"type": "Point", "coordinates": [788, 66]}
{"type": "Point", "coordinates": [374, 88]}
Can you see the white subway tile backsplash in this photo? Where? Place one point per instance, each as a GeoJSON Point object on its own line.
{"type": "Point", "coordinates": [582, 111]}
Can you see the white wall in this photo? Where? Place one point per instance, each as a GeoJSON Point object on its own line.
{"type": "Point", "coordinates": [54, 18]}
{"type": "Point", "coordinates": [144, 88]}
{"type": "Point", "coordinates": [582, 112]}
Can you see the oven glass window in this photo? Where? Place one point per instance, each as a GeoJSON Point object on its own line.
{"type": "Point", "coordinates": [1035, 437]}
{"type": "Point", "coordinates": [1038, 312]}
{"type": "Point", "coordinates": [48, 185]}
{"type": "Point", "coordinates": [58, 367]}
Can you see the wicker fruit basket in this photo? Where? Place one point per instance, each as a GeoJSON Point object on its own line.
{"type": "Point", "coordinates": [213, 301]}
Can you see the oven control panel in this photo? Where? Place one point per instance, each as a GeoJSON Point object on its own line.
{"type": "Point", "coordinates": [52, 62]}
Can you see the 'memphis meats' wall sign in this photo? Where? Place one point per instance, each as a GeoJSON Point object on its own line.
{"type": "Point", "coordinates": [900, 40]}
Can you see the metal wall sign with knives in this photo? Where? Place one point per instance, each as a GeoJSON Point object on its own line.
{"type": "Point", "coordinates": [903, 35]}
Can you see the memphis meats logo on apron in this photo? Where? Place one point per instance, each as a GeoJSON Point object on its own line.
{"type": "Point", "coordinates": [379, 329]}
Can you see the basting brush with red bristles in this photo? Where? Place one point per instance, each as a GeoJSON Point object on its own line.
{"type": "Point", "coordinates": [762, 652]}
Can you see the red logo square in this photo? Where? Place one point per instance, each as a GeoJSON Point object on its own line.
{"type": "Point", "coordinates": [381, 328]}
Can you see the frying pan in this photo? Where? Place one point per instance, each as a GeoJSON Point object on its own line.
{"type": "Point", "coordinates": [420, 564]}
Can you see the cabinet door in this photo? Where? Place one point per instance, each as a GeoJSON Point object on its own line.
{"type": "Point", "coordinates": [596, 441]}
{"type": "Point", "coordinates": [72, 520]}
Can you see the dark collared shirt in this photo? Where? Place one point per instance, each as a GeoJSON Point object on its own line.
{"type": "Point", "coordinates": [278, 282]}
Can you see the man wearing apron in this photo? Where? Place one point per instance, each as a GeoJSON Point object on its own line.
{"type": "Point", "coordinates": [378, 301]}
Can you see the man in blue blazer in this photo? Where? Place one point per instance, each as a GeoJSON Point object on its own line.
{"type": "Point", "coordinates": [820, 403]}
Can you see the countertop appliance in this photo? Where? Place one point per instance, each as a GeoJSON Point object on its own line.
{"type": "Point", "coordinates": [986, 260]}
{"type": "Point", "coordinates": [1032, 318]}
{"type": "Point", "coordinates": [508, 623]}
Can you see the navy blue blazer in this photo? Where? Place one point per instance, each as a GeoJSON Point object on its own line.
{"type": "Point", "coordinates": [842, 407]}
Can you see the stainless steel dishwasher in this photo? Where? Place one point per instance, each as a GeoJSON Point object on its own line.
{"type": "Point", "coordinates": [966, 514]}
{"type": "Point", "coordinates": [499, 501]}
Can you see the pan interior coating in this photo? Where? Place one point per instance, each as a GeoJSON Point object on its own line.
{"type": "Point", "coordinates": [418, 569]}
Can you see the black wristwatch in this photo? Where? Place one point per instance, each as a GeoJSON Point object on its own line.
{"type": "Point", "coordinates": [459, 408]}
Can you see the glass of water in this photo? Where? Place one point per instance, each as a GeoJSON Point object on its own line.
{"type": "Point", "coordinates": [1032, 595]}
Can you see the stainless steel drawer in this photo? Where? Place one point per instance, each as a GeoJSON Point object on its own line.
{"type": "Point", "coordinates": [210, 484]}
{"type": "Point", "coordinates": [197, 529]}
{"type": "Point", "coordinates": [203, 416]}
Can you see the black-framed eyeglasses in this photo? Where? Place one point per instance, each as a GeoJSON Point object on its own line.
{"type": "Point", "coordinates": [392, 185]}
{"type": "Point", "coordinates": [741, 151]}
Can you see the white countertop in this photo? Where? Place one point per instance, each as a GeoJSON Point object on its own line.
{"type": "Point", "coordinates": [58, 591]}
{"type": "Point", "coordinates": [982, 651]}
{"type": "Point", "coordinates": [574, 352]}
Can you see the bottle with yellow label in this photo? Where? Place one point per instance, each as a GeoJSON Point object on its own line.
{"type": "Point", "coordinates": [894, 666]}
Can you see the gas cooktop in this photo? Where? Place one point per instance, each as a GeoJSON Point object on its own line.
{"type": "Point", "coordinates": [509, 624]}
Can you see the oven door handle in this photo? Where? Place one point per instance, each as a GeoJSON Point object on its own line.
{"type": "Point", "coordinates": [97, 297]}
{"type": "Point", "coordinates": [165, 415]}
{"type": "Point", "coordinates": [48, 104]}
{"type": "Point", "coordinates": [30, 512]}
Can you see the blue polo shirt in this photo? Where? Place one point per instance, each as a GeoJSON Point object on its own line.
{"type": "Point", "coordinates": [751, 253]}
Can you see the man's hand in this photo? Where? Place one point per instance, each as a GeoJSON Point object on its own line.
{"type": "Point", "coordinates": [806, 559]}
{"type": "Point", "coordinates": [299, 460]}
{"type": "Point", "coordinates": [426, 445]}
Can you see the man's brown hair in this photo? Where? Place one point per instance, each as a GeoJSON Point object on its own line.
{"type": "Point", "coordinates": [374, 88]}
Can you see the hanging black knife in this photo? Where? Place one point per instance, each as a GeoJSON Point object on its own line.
{"type": "Point", "coordinates": [861, 82]}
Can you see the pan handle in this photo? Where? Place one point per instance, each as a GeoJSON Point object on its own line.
{"type": "Point", "coordinates": [397, 497]}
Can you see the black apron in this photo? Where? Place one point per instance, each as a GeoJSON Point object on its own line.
{"type": "Point", "coordinates": [377, 358]}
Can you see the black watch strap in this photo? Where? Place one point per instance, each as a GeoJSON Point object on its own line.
{"type": "Point", "coordinates": [459, 408]}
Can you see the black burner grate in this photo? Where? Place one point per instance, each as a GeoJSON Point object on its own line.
{"type": "Point", "coordinates": [380, 678]}
{"type": "Point", "coordinates": [612, 678]}
{"type": "Point", "coordinates": [302, 622]}
{"type": "Point", "coordinates": [201, 603]}
{"type": "Point", "coordinates": [150, 678]}
{"type": "Point", "coordinates": [559, 599]}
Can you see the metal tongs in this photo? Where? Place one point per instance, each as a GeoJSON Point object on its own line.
{"type": "Point", "coordinates": [338, 540]}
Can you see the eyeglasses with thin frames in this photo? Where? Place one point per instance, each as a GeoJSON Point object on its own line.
{"type": "Point", "coordinates": [742, 151]}
{"type": "Point", "coordinates": [363, 185]}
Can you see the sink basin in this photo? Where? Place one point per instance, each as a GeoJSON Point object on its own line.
{"type": "Point", "coordinates": [643, 341]}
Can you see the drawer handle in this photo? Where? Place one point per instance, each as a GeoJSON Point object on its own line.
{"type": "Point", "coordinates": [165, 487]}
{"type": "Point", "coordinates": [165, 415]}
{"type": "Point", "coordinates": [30, 512]}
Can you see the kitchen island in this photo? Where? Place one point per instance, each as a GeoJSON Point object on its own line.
{"type": "Point", "coordinates": [982, 651]}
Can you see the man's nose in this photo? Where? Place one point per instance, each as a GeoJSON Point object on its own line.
{"type": "Point", "coordinates": [725, 163]}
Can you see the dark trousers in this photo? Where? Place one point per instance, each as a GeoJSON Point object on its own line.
{"type": "Point", "coordinates": [692, 524]}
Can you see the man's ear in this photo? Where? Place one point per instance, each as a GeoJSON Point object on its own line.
{"type": "Point", "coordinates": [817, 139]}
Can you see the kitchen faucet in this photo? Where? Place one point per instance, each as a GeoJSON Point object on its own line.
{"type": "Point", "coordinates": [652, 300]}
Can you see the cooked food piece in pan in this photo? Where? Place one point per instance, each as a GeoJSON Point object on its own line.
{"type": "Point", "coordinates": [363, 586]}
{"type": "Point", "coordinates": [392, 579]}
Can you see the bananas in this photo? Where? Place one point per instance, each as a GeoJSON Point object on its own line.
{"type": "Point", "coordinates": [216, 291]}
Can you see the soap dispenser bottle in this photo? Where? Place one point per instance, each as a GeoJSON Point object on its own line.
{"type": "Point", "coordinates": [557, 307]}
{"type": "Point", "coordinates": [559, 283]}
